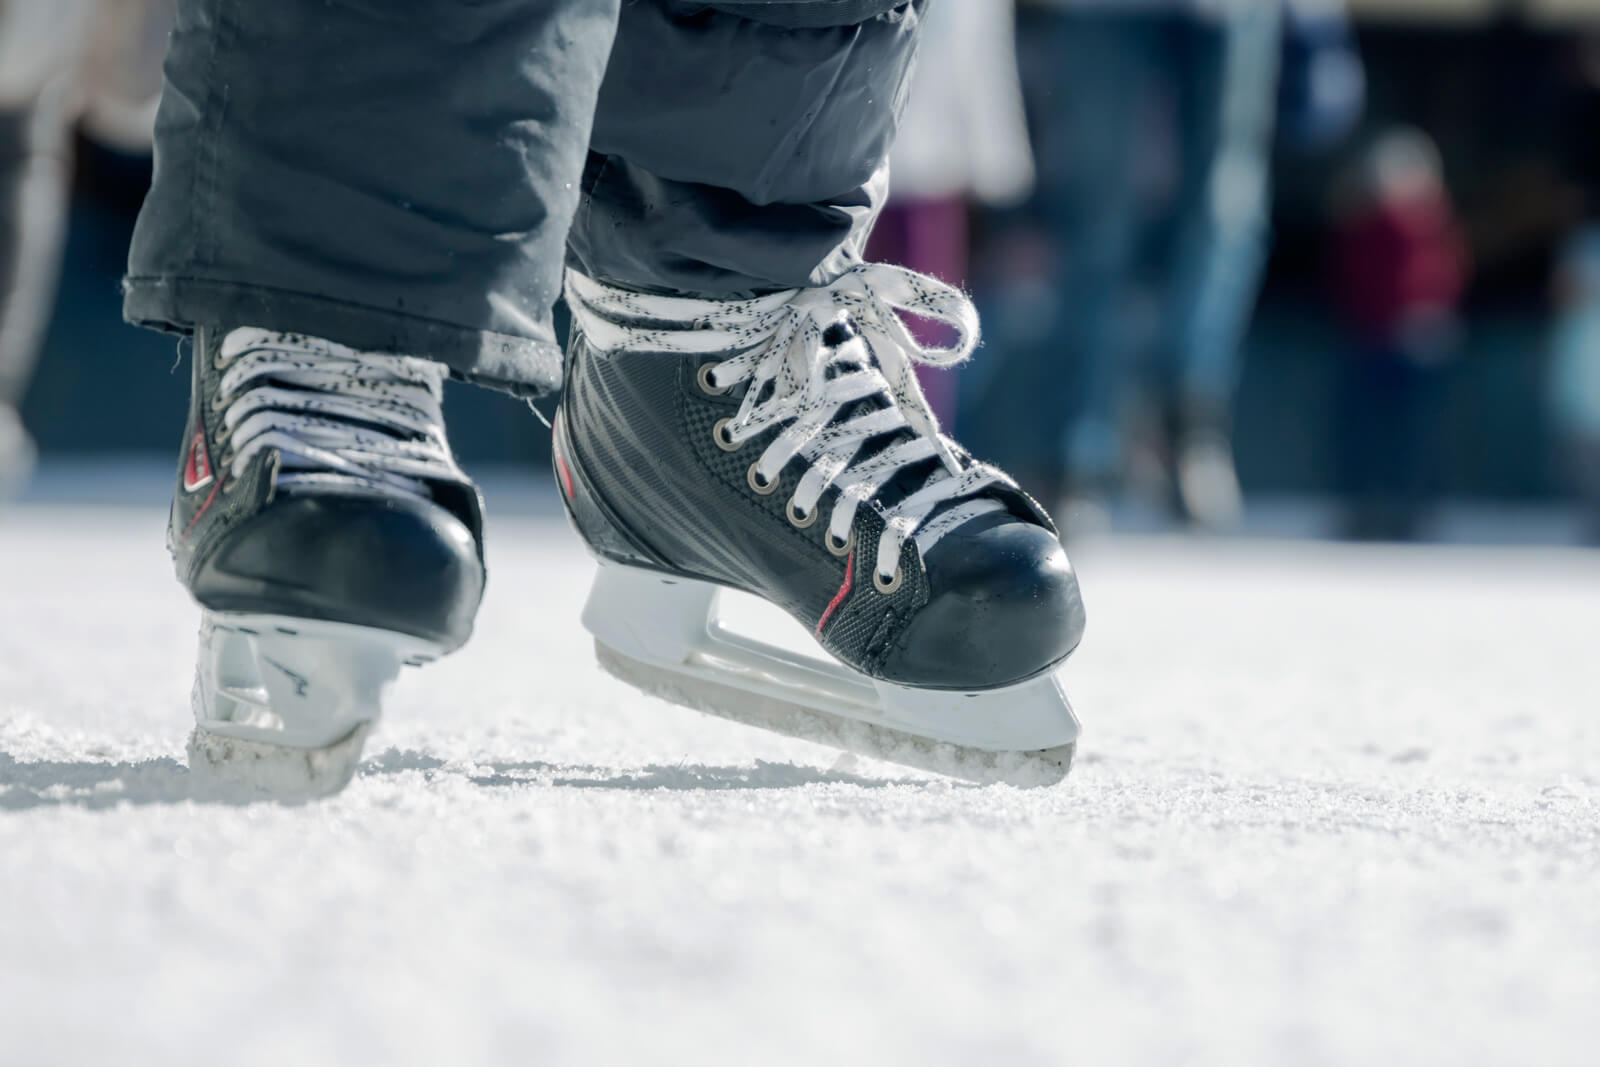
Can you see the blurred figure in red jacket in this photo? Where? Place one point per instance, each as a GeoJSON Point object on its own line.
{"type": "Point", "coordinates": [1401, 265]}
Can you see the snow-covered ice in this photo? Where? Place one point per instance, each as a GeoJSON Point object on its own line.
{"type": "Point", "coordinates": [1334, 805]}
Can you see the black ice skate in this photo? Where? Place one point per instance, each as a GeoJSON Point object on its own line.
{"type": "Point", "coordinates": [325, 529]}
{"type": "Point", "coordinates": [781, 445]}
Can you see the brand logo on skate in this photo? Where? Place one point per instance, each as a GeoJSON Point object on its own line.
{"type": "Point", "coordinates": [197, 473]}
{"type": "Point", "coordinates": [300, 682]}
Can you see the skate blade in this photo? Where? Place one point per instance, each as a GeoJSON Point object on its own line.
{"type": "Point", "coordinates": [1025, 769]}
{"type": "Point", "coordinates": [283, 705]}
{"type": "Point", "coordinates": [660, 634]}
{"type": "Point", "coordinates": [245, 769]}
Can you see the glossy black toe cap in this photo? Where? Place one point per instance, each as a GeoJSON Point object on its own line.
{"type": "Point", "coordinates": [1003, 606]}
{"type": "Point", "coordinates": [397, 564]}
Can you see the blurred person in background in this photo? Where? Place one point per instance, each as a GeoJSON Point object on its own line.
{"type": "Point", "coordinates": [963, 137]}
{"type": "Point", "coordinates": [64, 65]}
{"type": "Point", "coordinates": [1574, 380]}
{"type": "Point", "coordinates": [1575, 370]}
{"type": "Point", "coordinates": [1401, 266]}
{"type": "Point", "coordinates": [1153, 117]}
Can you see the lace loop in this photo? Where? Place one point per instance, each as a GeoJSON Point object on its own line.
{"type": "Point", "coordinates": [337, 416]}
{"type": "Point", "coordinates": [811, 389]}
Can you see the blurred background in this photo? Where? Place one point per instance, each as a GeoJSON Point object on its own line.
{"type": "Point", "coordinates": [1305, 269]}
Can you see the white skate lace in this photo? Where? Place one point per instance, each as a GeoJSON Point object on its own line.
{"type": "Point", "coordinates": [337, 416]}
{"type": "Point", "coordinates": [798, 381]}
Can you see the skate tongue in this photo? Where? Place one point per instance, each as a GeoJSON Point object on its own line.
{"type": "Point", "coordinates": [337, 419]}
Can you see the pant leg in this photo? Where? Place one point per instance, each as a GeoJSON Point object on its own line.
{"type": "Point", "coordinates": [741, 146]}
{"type": "Point", "coordinates": [1056, 361]}
{"type": "Point", "coordinates": [1112, 68]}
{"type": "Point", "coordinates": [1228, 114]}
{"type": "Point", "coordinates": [1071, 382]}
{"type": "Point", "coordinates": [394, 175]}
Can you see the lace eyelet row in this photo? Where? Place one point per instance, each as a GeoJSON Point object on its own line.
{"type": "Point", "coordinates": [797, 519]}
{"type": "Point", "coordinates": [219, 403]}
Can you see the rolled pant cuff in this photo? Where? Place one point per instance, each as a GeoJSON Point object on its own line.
{"type": "Point", "coordinates": [520, 365]}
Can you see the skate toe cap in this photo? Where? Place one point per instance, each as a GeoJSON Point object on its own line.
{"type": "Point", "coordinates": [390, 563]}
{"type": "Point", "coordinates": [1003, 606]}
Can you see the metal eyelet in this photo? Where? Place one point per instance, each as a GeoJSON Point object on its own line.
{"type": "Point", "coordinates": [704, 377]}
{"type": "Point", "coordinates": [218, 402]}
{"type": "Point", "coordinates": [764, 488]}
{"type": "Point", "coordinates": [799, 521]}
{"type": "Point", "coordinates": [839, 549]}
{"type": "Point", "coordinates": [892, 585]}
{"type": "Point", "coordinates": [719, 434]}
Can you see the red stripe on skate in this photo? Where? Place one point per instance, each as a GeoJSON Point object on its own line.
{"type": "Point", "coordinates": [561, 461]}
{"type": "Point", "coordinates": [844, 591]}
{"type": "Point", "coordinates": [566, 475]}
{"type": "Point", "coordinates": [202, 511]}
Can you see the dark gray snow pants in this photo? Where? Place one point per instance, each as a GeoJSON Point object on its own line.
{"type": "Point", "coordinates": [409, 175]}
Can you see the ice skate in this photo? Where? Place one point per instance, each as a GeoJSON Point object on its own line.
{"type": "Point", "coordinates": [325, 529]}
{"type": "Point", "coordinates": [781, 445]}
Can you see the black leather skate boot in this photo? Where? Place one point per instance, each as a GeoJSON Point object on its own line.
{"type": "Point", "coordinates": [322, 523]}
{"type": "Point", "coordinates": [781, 446]}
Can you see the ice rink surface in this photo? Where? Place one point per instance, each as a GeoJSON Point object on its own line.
{"type": "Point", "coordinates": [1334, 806]}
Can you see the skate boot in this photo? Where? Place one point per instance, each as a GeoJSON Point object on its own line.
{"type": "Point", "coordinates": [321, 522]}
{"type": "Point", "coordinates": [781, 446]}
